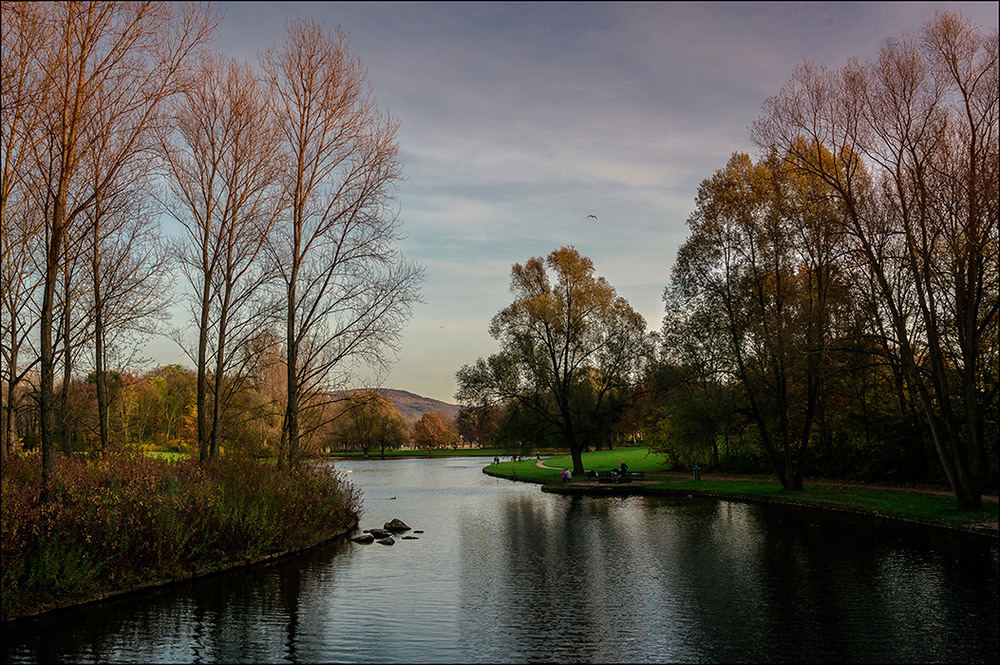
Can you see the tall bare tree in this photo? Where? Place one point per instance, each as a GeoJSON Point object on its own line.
{"type": "Point", "coordinates": [223, 164]}
{"type": "Point", "coordinates": [109, 66]}
{"type": "Point", "coordinates": [20, 282]}
{"type": "Point", "coordinates": [346, 290]}
{"type": "Point", "coordinates": [126, 267]}
{"type": "Point", "coordinates": [24, 92]}
{"type": "Point", "coordinates": [908, 145]}
{"type": "Point", "coordinates": [73, 322]}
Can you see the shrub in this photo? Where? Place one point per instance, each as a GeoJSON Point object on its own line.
{"type": "Point", "coordinates": [117, 520]}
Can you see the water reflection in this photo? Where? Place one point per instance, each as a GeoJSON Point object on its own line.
{"type": "Point", "coordinates": [245, 616]}
{"type": "Point", "coordinates": [504, 573]}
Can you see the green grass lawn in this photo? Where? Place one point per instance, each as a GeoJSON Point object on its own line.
{"type": "Point", "coordinates": [907, 504]}
{"type": "Point", "coordinates": [637, 459]}
{"type": "Point", "coordinates": [158, 454]}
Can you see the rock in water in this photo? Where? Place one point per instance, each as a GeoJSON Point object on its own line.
{"type": "Point", "coordinates": [379, 533]}
{"type": "Point", "coordinates": [366, 539]}
{"type": "Point", "coordinates": [410, 538]}
{"type": "Point", "coordinates": [396, 526]}
{"type": "Point", "coordinates": [387, 541]}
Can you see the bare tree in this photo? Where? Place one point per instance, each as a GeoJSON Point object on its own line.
{"type": "Point", "coordinates": [908, 144]}
{"type": "Point", "coordinates": [126, 270]}
{"type": "Point", "coordinates": [74, 317]}
{"type": "Point", "coordinates": [121, 250]}
{"type": "Point", "coordinates": [108, 67]}
{"type": "Point", "coordinates": [24, 90]}
{"type": "Point", "coordinates": [346, 289]}
{"type": "Point", "coordinates": [20, 282]}
{"type": "Point", "coordinates": [222, 167]}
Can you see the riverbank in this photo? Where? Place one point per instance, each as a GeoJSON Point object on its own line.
{"type": "Point", "coordinates": [650, 580]}
{"type": "Point", "coordinates": [182, 577]}
{"type": "Point", "coordinates": [926, 506]}
{"type": "Point", "coordinates": [123, 523]}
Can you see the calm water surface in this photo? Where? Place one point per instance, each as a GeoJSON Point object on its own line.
{"type": "Point", "coordinates": [505, 573]}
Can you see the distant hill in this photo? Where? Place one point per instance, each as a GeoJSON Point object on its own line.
{"type": "Point", "coordinates": [412, 406]}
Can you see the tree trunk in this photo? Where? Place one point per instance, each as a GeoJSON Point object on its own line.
{"type": "Point", "coordinates": [100, 380]}
{"type": "Point", "coordinates": [9, 412]}
{"type": "Point", "coordinates": [64, 418]}
{"type": "Point", "coordinates": [220, 366]}
{"type": "Point", "coordinates": [292, 405]}
{"type": "Point", "coordinates": [46, 402]}
{"type": "Point", "coordinates": [202, 383]}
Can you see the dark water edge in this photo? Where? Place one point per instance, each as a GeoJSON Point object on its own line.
{"type": "Point", "coordinates": [504, 573]}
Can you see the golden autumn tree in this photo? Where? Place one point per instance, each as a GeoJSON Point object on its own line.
{"type": "Point", "coordinates": [369, 421]}
{"type": "Point", "coordinates": [569, 345]}
{"type": "Point", "coordinates": [430, 432]}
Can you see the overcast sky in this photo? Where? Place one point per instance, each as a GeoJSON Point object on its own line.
{"type": "Point", "coordinates": [518, 120]}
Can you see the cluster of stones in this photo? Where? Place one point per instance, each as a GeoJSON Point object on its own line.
{"type": "Point", "coordinates": [384, 535]}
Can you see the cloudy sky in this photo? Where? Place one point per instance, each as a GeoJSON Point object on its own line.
{"type": "Point", "coordinates": [518, 120]}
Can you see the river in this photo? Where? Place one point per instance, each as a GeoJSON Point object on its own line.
{"type": "Point", "coordinates": [505, 573]}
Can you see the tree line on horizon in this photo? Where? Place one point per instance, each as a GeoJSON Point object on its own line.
{"type": "Point", "coordinates": [156, 411]}
{"type": "Point", "coordinates": [280, 175]}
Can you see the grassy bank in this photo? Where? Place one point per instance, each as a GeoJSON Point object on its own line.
{"type": "Point", "coordinates": [637, 459]}
{"type": "Point", "coordinates": [913, 505]}
{"type": "Point", "coordinates": [120, 521]}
